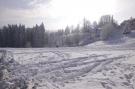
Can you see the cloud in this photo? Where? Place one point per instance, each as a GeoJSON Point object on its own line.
{"type": "Point", "coordinates": [59, 13]}
{"type": "Point", "coordinates": [21, 4]}
{"type": "Point", "coordinates": [125, 10]}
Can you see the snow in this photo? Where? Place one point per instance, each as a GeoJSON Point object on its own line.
{"type": "Point", "coordinates": [96, 66]}
{"type": "Point", "coordinates": [126, 41]}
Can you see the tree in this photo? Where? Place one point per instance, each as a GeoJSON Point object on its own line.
{"type": "Point", "coordinates": [76, 35]}
{"type": "Point", "coordinates": [128, 25]}
{"type": "Point", "coordinates": [86, 35]}
{"type": "Point", "coordinates": [107, 31]}
{"type": "Point", "coordinates": [67, 30]}
{"type": "Point", "coordinates": [19, 36]}
{"type": "Point", "coordinates": [38, 39]}
{"type": "Point", "coordinates": [86, 26]}
{"type": "Point", "coordinates": [105, 19]}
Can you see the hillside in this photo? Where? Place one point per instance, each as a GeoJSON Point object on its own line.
{"type": "Point", "coordinates": [127, 41]}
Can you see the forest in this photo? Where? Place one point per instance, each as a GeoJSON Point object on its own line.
{"type": "Point", "coordinates": [82, 34]}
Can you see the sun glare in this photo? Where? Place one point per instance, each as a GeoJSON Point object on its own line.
{"type": "Point", "coordinates": [73, 11]}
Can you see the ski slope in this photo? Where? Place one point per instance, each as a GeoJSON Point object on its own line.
{"type": "Point", "coordinates": [76, 67]}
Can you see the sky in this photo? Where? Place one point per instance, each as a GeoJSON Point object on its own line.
{"type": "Point", "coordinates": [57, 14]}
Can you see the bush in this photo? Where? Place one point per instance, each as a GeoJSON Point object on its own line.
{"type": "Point", "coordinates": [107, 31]}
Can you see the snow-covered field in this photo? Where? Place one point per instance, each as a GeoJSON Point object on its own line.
{"type": "Point", "coordinates": [77, 67]}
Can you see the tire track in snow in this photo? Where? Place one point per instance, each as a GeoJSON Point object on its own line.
{"type": "Point", "coordinates": [58, 70]}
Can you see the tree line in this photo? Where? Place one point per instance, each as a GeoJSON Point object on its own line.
{"type": "Point", "coordinates": [20, 36]}
{"type": "Point", "coordinates": [38, 36]}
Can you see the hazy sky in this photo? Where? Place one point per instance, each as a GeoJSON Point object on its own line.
{"type": "Point", "coordinates": [59, 13]}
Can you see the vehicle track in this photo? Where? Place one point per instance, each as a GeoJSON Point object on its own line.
{"type": "Point", "coordinates": [57, 71]}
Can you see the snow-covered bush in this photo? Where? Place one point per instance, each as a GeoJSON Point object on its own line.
{"type": "Point", "coordinates": [107, 31]}
{"type": "Point", "coordinates": [7, 81]}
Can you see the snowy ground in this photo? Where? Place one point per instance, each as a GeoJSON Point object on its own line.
{"type": "Point", "coordinates": [77, 68]}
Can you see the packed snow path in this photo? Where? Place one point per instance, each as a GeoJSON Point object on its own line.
{"type": "Point", "coordinates": [76, 68]}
